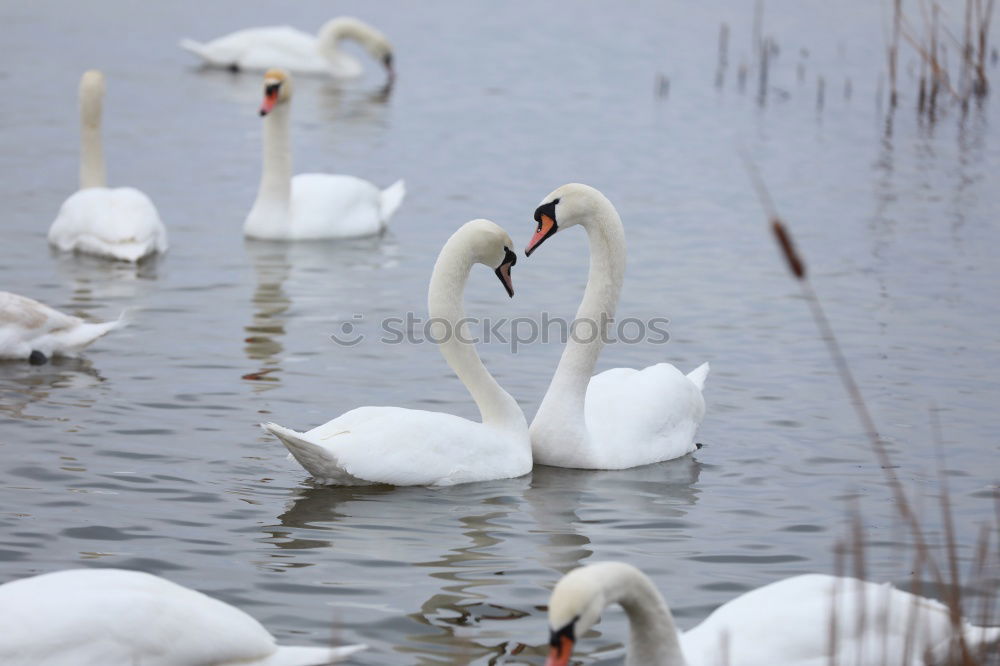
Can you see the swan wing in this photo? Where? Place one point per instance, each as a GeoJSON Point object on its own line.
{"type": "Point", "coordinates": [637, 417]}
{"type": "Point", "coordinates": [119, 223]}
{"type": "Point", "coordinates": [791, 622]}
{"type": "Point", "coordinates": [92, 617]}
{"type": "Point", "coordinates": [27, 325]}
{"type": "Point", "coordinates": [406, 447]}
{"type": "Point", "coordinates": [335, 206]}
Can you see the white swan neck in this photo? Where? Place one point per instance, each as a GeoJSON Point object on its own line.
{"type": "Point", "coordinates": [653, 636]}
{"type": "Point", "coordinates": [606, 237]}
{"type": "Point", "coordinates": [276, 175]}
{"type": "Point", "coordinates": [444, 303]}
{"type": "Point", "coordinates": [92, 169]}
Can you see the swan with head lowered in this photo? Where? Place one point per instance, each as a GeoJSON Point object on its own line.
{"type": "Point", "coordinates": [113, 617]}
{"type": "Point", "coordinates": [622, 417]}
{"type": "Point", "coordinates": [33, 331]}
{"type": "Point", "coordinates": [259, 49]}
{"type": "Point", "coordinates": [807, 620]}
{"type": "Point", "coordinates": [310, 205]}
{"type": "Point", "coordinates": [117, 223]}
{"type": "Point", "coordinates": [409, 447]}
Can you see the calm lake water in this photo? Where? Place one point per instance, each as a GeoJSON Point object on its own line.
{"type": "Point", "coordinates": [145, 453]}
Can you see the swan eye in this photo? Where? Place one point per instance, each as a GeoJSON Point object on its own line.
{"type": "Point", "coordinates": [271, 89]}
{"type": "Point", "coordinates": [547, 210]}
{"type": "Point", "coordinates": [509, 257]}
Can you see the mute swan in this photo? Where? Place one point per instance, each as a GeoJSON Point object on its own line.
{"type": "Point", "coordinates": [33, 331]}
{"type": "Point", "coordinates": [622, 417]}
{"type": "Point", "coordinates": [787, 622]}
{"type": "Point", "coordinates": [310, 205]}
{"type": "Point", "coordinates": [119, 223]}
{"type": "Point", "coordinates": [112, 617]}
{"type": "Point", "coordinates": [259, 49]}
{"type": "Point", "coordinates": [409, 447]}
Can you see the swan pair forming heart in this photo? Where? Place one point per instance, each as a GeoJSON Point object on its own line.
{"type": "Point", "coordinates": [618, 419]}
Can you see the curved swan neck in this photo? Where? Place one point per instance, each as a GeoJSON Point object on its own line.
{"type": "Point", "coordinates": [444, 303]}
{"type": "Point", "coordinates": [600, 300]}
{"type": "Point", "coordinates": [92, 169]}
{"type": "Point", "coordinates": [276, 175]}
{"type": "Point", "coordinates": [345, 27]}
{"type": "Point", "coordinates": [653, 637]}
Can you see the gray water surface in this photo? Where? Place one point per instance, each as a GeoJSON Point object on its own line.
{"type": "Point", "coordinates": [145, 453]}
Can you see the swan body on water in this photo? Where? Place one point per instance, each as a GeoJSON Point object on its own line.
{"type": "Point", "coordinates": [260, 49]}
{"type": "Point", "coordinates": [112, 617]}
{"type": "Point", "coordinates": [116, 223]}
{"type": "Point", "coordinates": [33, 331]}
{"type": "Point", "coordinates": [791, 622]}
{"type": "Point", "coordinates": [407, 447]}
{"type": "Point", "coordinates": [622, 417]}
{"type": "Point", "coordinates": [312, 205]}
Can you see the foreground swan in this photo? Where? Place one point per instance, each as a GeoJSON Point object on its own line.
{"type": "Point", "coordinates": [285, 47]}
{"type": "Point", "coordinates": [34, 331]}
{"type": "Point", "coordinates": [111, 617]}
{"type": "Point", "coordinates": [310, 205]}
{"type": "Point", "coordinates": [118, 223]}
{"type": "Point", "coordinates": [787, 622]}
{"type": "Point", "coordinates": [622, 417]}
{"type": "Point", "coordinates": [407, 447]}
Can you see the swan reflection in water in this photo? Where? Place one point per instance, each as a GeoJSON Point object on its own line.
{"type": "Point", "coordinates": [302, 276]}
{"type": "Point", "coordinates": [471, 606]}
{"type": "Point", "coordinates": [60, 382]}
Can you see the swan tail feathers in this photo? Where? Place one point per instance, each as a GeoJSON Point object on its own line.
{"type": "Point", "coordinates": [699, 375]}
{"type": "Point", "coordinates": [309, 656]}
{"type": "Point", "coordinates": [194, 47]}
{"type": "Point", "coordinates": [315, 459]}
{"type": "Point", "coordinates": [390, 199]}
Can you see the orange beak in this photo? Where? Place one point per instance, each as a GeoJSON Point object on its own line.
{"type": "Point", "coordinates": [546, 227]}
{"type": "Point", "coordinates": [559, 654]}
{"type": "Point", "coordinates": [270, 99]}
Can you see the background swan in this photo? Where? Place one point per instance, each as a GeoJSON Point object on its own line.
{"type": "Point", "coordinates": [259, 49]}
{"type": "Point", "coordinates": [310, 205]}
{"type": "Point", "coordinates": [787, 622]}
{"type": "Point", "coordinates": [415, 447]}
{"type": "Point", "coordinates": [622, 417]}
{"type": "Point", "coordinates": [119, 223]}
{"type": "Point", "coordinates": [112, 617]}
{"type": "Point", "coordinates": [34, 331]}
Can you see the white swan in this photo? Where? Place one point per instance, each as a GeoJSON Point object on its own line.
{"type": "Point", "coordinates": [622, 417]}
{"type": "Point", "coordinates": [409, 447]}
{"type": "Point", "coordinates": [259, 49]}
{"type": "Point", "coordinates": [34, 331]}
{"type": "Point", "coordinates": [310, 205]}
{"type": "Point", "coordinates": [118, 223]}
{"type": "Point", "coordinates": [788, 622]}
{"type": "Point", "coordinates": [112, 617]}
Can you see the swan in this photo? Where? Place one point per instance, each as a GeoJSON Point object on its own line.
{"type": "Point", "coordinates": [113, 617]}
{"type": "Point", "coordinates": [787, 622]}
{"type": "Point", "coordinates": [409, 447]}
{"type": "Point", "coordinates": [259, 49]}
{"type": "Point", "coordinates": [118, 223]}
{"type": "Point", "coordinates": [310, 205]}
{"type": "Point", "coordinates": [34, 331]}
{"type": "Point", "coordinates": [622, 417]}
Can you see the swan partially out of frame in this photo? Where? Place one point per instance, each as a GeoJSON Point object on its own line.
{"type": "Point", "coordinates": [112, 617]}
{"type": "Point", "coordinates": [807, 620]}
{"type": "Point", "coordinates": [33, 331]}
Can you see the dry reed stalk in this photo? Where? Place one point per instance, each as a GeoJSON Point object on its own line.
{"type": "Point", "coordinates": [897, 17]}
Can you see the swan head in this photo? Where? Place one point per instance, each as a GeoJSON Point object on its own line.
{"type": "Point", "coordinates": [574, 607]}
{"type": "Point", "coordinates": [91, 96]}
{"type": "Point", "coordinates": [487, 243]}
{"type": "Point", "coordinates": [563, 207]}
{"type": "Point", "coordinates": [277, 90]}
